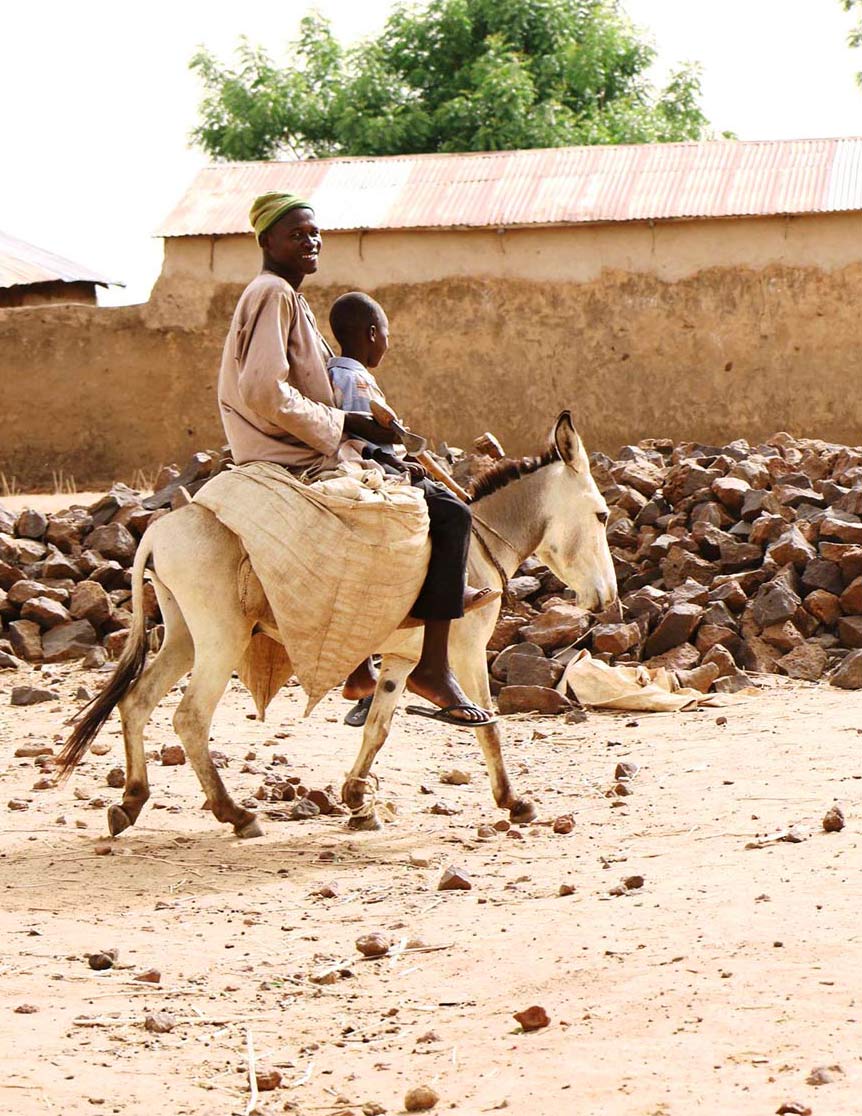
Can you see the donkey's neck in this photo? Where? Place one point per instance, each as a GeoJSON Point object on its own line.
{"type": "Point", "coordinates": [517, 514]}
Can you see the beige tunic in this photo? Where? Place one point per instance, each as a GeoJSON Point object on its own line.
{"type": "Point", "coordinates": [274, 393]}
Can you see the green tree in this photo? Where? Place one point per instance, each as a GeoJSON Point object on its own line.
{"type": "Point", "coordinates": [854, 37]}
{"type": "Point", "coordinates": [456, 75]}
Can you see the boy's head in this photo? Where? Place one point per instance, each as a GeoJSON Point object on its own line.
{"type": "Point", "coordinates": [360, 327]}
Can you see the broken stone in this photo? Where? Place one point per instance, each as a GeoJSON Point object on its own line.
{"type": "Point", "coordinates": [500, 665]}
{"type": "Point", "coordinates": [68, 641]}
{"type": "Point", "coordinates": [422, 1098]}
{"type": "Point", "coordinates": [532, 1018]}
{"type": "Point", "coordinates": [564, 824]}
{"type": "Point", "coordinates": [615, 639]}
{"type": "Point", "coordinates": [807, 662]}
{"type": "Point", "coordinates": [848, 674]}
{"type": "Point", "coordinates": [674, 629]}
{"type": "Point", "coordinates": [532, 699]}
{"type": "Point", "coordinates": [558, 626]}
{"type": "Point", "coordinates": [172, 755]}
{"type": "Point", "coordinates": [833, 820]}
{"type": "Point", "coordinates": [456, 778]}
{"type": "Point", "coordinates": [530, 670]}
{"type": "Point", "coordinates": [91, 602]}
{"type": "Point", "coordinates": [454, 879]}
{"type": "Point", "coordinates": [159, 1022]}
{"type": "Point", "coordinates": [373, 945]}
{"type": "Point", "coordinates": [26, 640]}
{"type": "Point", "coordinates": [45, 612]}
{"type": "Point", "coordinates": [850, 631]}
{"type": "Point", "coordinates": [31, 695]}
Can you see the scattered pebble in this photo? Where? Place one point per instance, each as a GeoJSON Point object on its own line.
{"type": "Point", "coordinates": [456, 778]}
{"type": "Point", "coordinates": [31, 695]}
{"type": "Point", "coordinates": [454, 879]}
{"type": "Point", "coordinates": [793, 1108]}
{"type": "Point", "coordinates": [824, 1075]}
{"type": "Point", "coordinates": [633, 883]}
{"type": "Point", "coordinates": [148, 976]}
{"type": "Point", "coordinates": [625, 771]}
{"type": "Point", "coordinates": [420, 860]}
{"type": "Point", "coordinates": [486, 831]}
{"type": "Point", "coordinates": [302, 810]}
{"type": "Point", "coordinates": [103, 848]}
{"type": "Point", "coordinates": [833, 819]}
{"type": "Point", "coordinates": [159, 1022]}
{"type": "Point", "coordinates": [116, 778]}
{"type": "Point", "coordinates": [18, 804]}
{"type": "Point", "coordinates": [564, 824]}
{"type": "Point", "coordinates": [102, 960]}
{"type": "Point", "coordinates": [566, 889]}
{"type": "Point", "coordinates": [26, 1009]}
{"type": "Point", "coordinates": [29, 751]}
{"type": "Point", "coordinates": [532, 1018]}
{"type": "Point", "coordinates": [172, 755]}
{"type": "Point", "coordinates": [443, 810]}
{"type": "Point", "coordinates": [373, 945]}
{"type": "Point", "coordinates": [267, 1078]}
{"type": "Point", "coordinates": [503, 825]}
{"type": "Point", "coordinates": [420, 1099]}
{"type": "Point", "coordinates": [100, 747]}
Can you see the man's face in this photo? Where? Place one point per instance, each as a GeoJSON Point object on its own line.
{"type": "Point", "coordinates": [294, 242]}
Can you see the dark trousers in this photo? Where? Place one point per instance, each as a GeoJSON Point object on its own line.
{"type": "Point", "coordinates": [442, 594]}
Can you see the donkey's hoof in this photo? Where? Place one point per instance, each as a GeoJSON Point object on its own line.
{"type": "Point", "coordinates": [364, 821]}
{"type": "Point", "coordinates": [522, 811]}
{"type": "Point", "coordinates": [251, 829]}
{"type": "Point", "coordinates": [118, 820]}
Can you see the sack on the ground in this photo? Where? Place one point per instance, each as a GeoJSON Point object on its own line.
{"type": "Point", "coordinates": [341, 561]}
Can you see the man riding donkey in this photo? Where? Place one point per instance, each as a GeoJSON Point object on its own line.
{"type": "Point", "coordinates": [277, 405]}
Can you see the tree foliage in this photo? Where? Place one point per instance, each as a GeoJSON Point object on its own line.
{"type": "Point", "coordinates": [854, 37]}
{"type": "Point", "coordinates": [455, 75]}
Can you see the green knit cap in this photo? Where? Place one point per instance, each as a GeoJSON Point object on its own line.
{"type": "Point", "coordinates": [268, 208]}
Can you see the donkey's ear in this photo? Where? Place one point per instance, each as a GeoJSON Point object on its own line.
{"type": "Point", "coordinates": [568, 442]}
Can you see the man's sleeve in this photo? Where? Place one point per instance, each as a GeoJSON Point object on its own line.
{"type": "Point", "coordinates": [263, 371]}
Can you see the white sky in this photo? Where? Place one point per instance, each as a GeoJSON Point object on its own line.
{"type": "Point", "coordinates": [98, 100]}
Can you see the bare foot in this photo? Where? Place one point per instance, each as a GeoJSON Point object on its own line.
{"type": "Point", "coordinates": [443, 691]}
{"type": "Point", "coordinates": [361, 682]}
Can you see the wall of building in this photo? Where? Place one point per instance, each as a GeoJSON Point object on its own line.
{"type": "Point", "coordinates": [701, 329]}
{"type": "Point", "coordinates": [44, 294]}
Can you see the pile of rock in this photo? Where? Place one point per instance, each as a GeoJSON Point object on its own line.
{"type": "Point", "coordinates": [728, 559]}
{"type": "Point", "coordinates": [65, 578]}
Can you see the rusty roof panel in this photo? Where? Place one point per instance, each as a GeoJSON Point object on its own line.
{"type": "Point", "coordinates": [22, 264]}
{"type": "Point", "coordinates": [564, 185]}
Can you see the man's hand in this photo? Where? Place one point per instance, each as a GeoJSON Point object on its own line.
{"type": "Point", "coordinates": [417, 473]}
{"type": "Point", "coordinates": [363, 426]}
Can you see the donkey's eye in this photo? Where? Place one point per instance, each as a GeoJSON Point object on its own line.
{"type": "Point", "coordinates": [602, 516]}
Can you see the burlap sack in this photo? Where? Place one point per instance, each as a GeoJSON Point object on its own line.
{"type": "Point", "coordinates": [340, 561]}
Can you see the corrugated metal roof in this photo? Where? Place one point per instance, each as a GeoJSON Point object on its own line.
{"type": "Point", "coordinates": [22, 263]}
{"type": "Point", "coordinates": [562, 185]}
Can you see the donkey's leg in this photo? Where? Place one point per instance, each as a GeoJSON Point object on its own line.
{"type": "Point", "coordinates": [218, 649]}
{"type": "Point", "coordinates": [467, 654]}
{"type": "Point", "coordinates": [393, 676]}
{"type": "Point", "coordinates": [174, 659]}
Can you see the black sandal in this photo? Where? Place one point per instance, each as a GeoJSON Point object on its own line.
{"type": "Point", "coordinates": [358, 715]}
{"type": "Point", "coordinates": [445, 715]}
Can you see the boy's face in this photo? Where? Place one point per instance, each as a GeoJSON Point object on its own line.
{"type": "Point", "coordinates": [378, 337]}
{"type": "Point", "coordinates": [294, 242]}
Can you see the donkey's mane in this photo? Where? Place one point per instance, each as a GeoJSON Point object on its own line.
{"type": "Point", "coordinates": [509, 469]}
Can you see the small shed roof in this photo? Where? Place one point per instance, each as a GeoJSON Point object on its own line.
{"type": "Point", "coordinates": [22, 264]}
{"type": "Point", "coordinates": [554, 186]}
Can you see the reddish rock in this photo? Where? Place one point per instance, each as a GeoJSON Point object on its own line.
{"type": "Point", "coordinates": [172, 755]}
{"type": "Point", "coordinates": [720, 656]}
{"type": "Point", "coordinates": [558, 627]}
{"type": "Point", "coordinates": [774, 603]}
{"type": "Point", "coordinates": [66, 531]}
{"type": "Point", "coordinates": [31, 524]}
{"type": "Point", "coordinates": [506, 631]}
{"type": "Point", "coordinates": [808, 661]}
{"type": "Point", "coordinates": [9, 575]}
{"type": "Point", "coordinates": [58, 566]}
{"type": "Point", "coordinates": [767, 529]}
{"type": "Point", "coordinates": [823, 606]}
{"type": "Point", "coordinates": [114, 541]}
{"type": "Point", "coordinates": [115, 643]}
{"type": "Point", "coordinates": [615, 639]}
{"type": "Point", "coordinates": [26, 640]}
{"type": "Point", "coordinates": [821, 574]}
{"type": "Point", "coordinates": [832, 527]}
{"type": "Point", "coordinates": [851, 598]}
{"type": "Point", "coordinates": [792, 547]}
{"type": "Point", "coordinates": [784, 636]}
{"type": "Point", "coordinates": [847, 557]}
{"type": "Point", "coordinates": [532, 699]}
{"type": "Point", "coordinates": [730, 593]}
{"type": "Point", "coordinates": [531, 670]}
{"type": "Point", "coordinates": [676, 626]}
{"type": "Point", "coordinates": [848, 674]}
{"type": "Point", "coordinates": [564, 824]}
{"type": "Point", "coordinates": [731, 492]}
{"type": "Point", "coordinates": [68, 641]}
{"type": "Point", "coordinates": [532, 1018]}
{"type": "Point", "coordinates": [850, 631]}
{"type": "Point", "coordinates": [90, 601]}
{"type": "Point", "coordinates": [680, 565]}
{"type": "Point", "coordinates": [708, 635]}
{"type": "Point", "coordinates": [454, 879]}
{"type": "Point", "coordinates": [684, 657]}
{"type": "Point", "coordinates": [45, 612]}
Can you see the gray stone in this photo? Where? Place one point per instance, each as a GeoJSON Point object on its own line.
{"type": "Point", "coordinates": [774, 603]}
{"type": "Point", "coordinates": [530, 670]}
{"type": "Point", "coordinates": [114, 541]}
{"type": "Point", "coordinates": [31, 695]}
{"type": "Point", "coordinates": [522, 587]}
{"type": "Point", "coordinates": [614, 639]}
{"type": "Point", "coordinates": [821, 574]}
{"type": "Point", "coordinates": [848, 675]}
{"type": "Point", "coordinates": [31, 524]}
{"type": "Point", "coordinates": [26, 640]}
{"type": "Point", "coordinates": [532, 699]}
{"type": "Point", "coordinates": [68, 641]}
{"type": "Point", "coordinates": [807, 661]}
{"type": "Point", "coordinates": [500, 665]}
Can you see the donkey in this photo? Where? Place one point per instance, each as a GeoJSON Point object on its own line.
{"type": "Point", "coordinates": [547, 505]}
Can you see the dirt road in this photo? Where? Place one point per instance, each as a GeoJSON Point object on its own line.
{"type": "Point", "coordinates": [717, 986]}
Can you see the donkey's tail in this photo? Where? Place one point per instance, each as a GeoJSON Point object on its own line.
{"type": "Point", "coordinates": [128, 670]}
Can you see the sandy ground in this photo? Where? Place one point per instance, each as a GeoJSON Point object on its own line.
{"type": "Point", "coordinates": [716, 987]}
